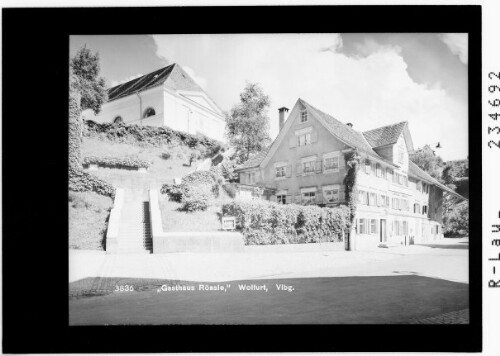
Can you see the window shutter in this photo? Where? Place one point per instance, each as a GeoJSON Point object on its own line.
{"type": "Point", "coordinates": [289, 171]}
{"type": "Point", "coordinates": [298, 169]}
{"type": "Point", "coordinates": [289, 198]}
{"type": "Point", "coordinates": [314, 136]}
{"type": "Point", "coordinates": [319, 196]}
{"type": "Point", "coordinates": [292, 141]}
{"type": "Point", "coordinates": [317, 166]}
{"type": "Point", "coordinates": [341, 161]}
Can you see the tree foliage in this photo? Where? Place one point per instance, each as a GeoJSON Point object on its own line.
{"type": "Point", "coordinates": [426, 159]}
{"type": "Point", "coordinates": [85, 80]}
{"type": "Point", "coordinates": [248, 123]}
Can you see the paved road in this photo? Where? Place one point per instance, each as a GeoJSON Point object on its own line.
{"type": "Point", "coordinates": [400, 285]}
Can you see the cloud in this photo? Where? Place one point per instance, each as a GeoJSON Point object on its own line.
{"type": "Point", "coordinates": [458, 43]}
{"type": "Point", "coordinates": [116, 82]}
{"type": "Point", "coordinates": [202, 82]}
{"type": "Point", "coordinates": [335, 45]}
{"type": "Point", "coordinates": [369, 86]}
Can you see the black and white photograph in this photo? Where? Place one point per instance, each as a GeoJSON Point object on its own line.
{"type": "Point", "coordinates": [215, 177]}
{"type": "Point", "coordinates": [269, 179]}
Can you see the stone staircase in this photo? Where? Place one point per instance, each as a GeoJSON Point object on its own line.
{"type": "Point", "coordinates": [134, 234]}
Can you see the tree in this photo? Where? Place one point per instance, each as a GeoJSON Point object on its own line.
{"type": "Point", "coordinates": [426, 159]}
{"type": "Point", "coordinates": [85, 80]}
{"type": "Point", "coordinates": [248, 123]}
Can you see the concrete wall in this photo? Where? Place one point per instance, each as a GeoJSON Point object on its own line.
{"type": "Point", "coordinates": [170, 242]}
{"type": "Point", "coordinates": [114, 222]}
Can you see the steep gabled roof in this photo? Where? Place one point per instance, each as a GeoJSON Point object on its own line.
{"type": "Point", "coordinates": [173, 76]}
{"type": "Point", "coordinates": [386, 135]}
{"type": "Point", "coordinates": [344, 132]}
{"type": "Point", "coordinates": [416, 171]}
{"type": "Point", "coordinates": [254, 161]}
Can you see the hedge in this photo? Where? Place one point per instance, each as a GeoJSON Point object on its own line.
{"type": "Point", "coordinates": [149, 135]}
{"type": "Point", "coordinates": [80, 181]}
{"type": "Point", "coordinates": [263, 222]}
{"type": "Point", "coordinates": [209, 179]}
{"type": "Point", "coordinates": [116, 162]}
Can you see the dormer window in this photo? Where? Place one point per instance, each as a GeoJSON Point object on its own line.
{"type": "Point", "coordinates": [303, 116]}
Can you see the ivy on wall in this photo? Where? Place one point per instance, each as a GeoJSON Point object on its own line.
{"type": "Point", "coordinates": [352, 160]}
{"type": "Point", "coordinates": [80, 181]}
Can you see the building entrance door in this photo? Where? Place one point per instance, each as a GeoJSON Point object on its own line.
{"type": "Point", "coordinates": [383, 231]}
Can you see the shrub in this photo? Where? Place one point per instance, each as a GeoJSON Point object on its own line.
{"type": "Point", "coordinates": [148, 135]}
{"type": "Point", "coordinates": [196, 198]}
{"type": "Point", "coordinates": [175, 191]}
{"type": "Point", "coordinates": [230, 190]}
{"type": "Point", "coordinates": [456, 221]}
{"type": "Point", "coordinates": [166, 155]}
{"type": "Point", "coordinates": [80, 181]}
{"type": "Point", "coordinates": [116, 162]}
{"type": "Point", "coordinates": [263, 222]}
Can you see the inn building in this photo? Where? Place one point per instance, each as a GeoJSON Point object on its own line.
{"type": "Point", "coordinates": [397, 202]}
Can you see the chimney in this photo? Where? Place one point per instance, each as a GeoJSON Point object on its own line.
{"type": "Point", "coordinates": [349, 124]}
{"type": "Point", "coordinates": [282, 112]}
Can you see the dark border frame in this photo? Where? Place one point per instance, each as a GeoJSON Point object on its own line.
{"type": "Point", "coordinates": [35, 255]}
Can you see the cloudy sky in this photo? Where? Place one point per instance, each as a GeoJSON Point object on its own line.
{"type": "Point", "coordinates": [367, 79]}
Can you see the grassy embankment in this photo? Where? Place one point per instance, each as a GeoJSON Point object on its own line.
{"type": "Point", "coordinates": [89, 212]}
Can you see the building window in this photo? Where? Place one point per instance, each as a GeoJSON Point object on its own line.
{"type": "Point", "coordinates": [373, 226]}
{"type": "Point", "coordinates": [149, 112]}
{"type": "Point", "coordinates": [308, 198]}
{"type": "Point", "coordinates": [280, 172]}
{"type": "Point", "coordinates": [303, 116]}
{"type": "Point", "coordinates": [424, 210]}
{"type": "Point", "coordinates": [118, 120]}
{"type": "Point", "coordinates": [281, 199]}
{"type": "Point", "coordinates": [367, 167]}
{"type": "Point", "coordinates": [308, 167]}
{"type": "Point", "coordinates": [372, 199]}
{"type": "Point", "coordinates": [331, 195]}
{"type": "Point", "coordinates": [395, 203]}
{"type": "Point", "coordinates": [362, 226]}
{"type": "Point", "coordinates": [303, 140]}
{"type": "Point", "coordinates": [251, 178]}
{"type": "Point", "coordinates": [332, 164]}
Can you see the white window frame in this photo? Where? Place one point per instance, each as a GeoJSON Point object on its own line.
{"type": "Point", "coordinates": [251, 178]}
{"type": "Point", "coordinates": [334, 156]}
{"type": "Point", "coordinates": [335, 189]}
{"type": "Point", "coordinates": [373, 228]}
{"type": "Point", "coordinates": [307, 160]}
{"type": "Point", "coordinates": [303, 114]}
{"type": "Point", "coordinates": [281, 199]}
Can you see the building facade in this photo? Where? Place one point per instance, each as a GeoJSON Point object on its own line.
{"type": "Point", "coordinates": [397, 202]}
{"type": "Point", "coordinates": [166, 97]}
